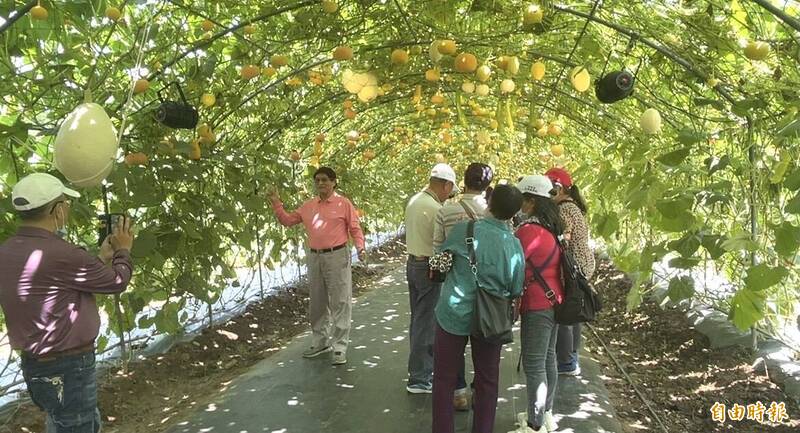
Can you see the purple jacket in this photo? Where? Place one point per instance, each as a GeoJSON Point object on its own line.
{"type": "Point", "coordinates": [47, 289]}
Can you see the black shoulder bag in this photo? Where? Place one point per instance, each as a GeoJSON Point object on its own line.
{"type": "Point", "coordinates": [493, 316]}
{"type": "Point", "coordinates": [581, 302]}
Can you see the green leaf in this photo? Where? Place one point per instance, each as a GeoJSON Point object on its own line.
{"type": "Point", "coordinates": [793, 206]}
{"type": "Point", "coordinates": [713, 244]}
{"type": "Point", "coordinates": [740, 242]}
{"type": "Point", "coordinates": [700, 102]}
{"type": "Point", "coordinates": [684, 262]}
{"type": "Point", "coordinates": [715, 164]}
{"type": "Point", "coordinates": [688, 137]}
{"type": "Point", "coordinates": [675, 207]}
{"type": "Point", "coordinates": [792, 181]}
{"type": "Point", "coordinates": [745, 106]}
{"type": "Point", "coordinates": [687, 245]}
{"type": "Point", "coordinates": [674, 158]}
{"type": "Point", "coordinates": [747, 308]}
{"type": "Point", "coordinates": [787, 239]}
{"type": "Point", "coordinates": [144, 244]}
{"type": "Point", "coordinates": [790, 130]}
{"type": "Point", "coordinates": [606, 225]}
{"type": "Point", "coordinates": [680, 288]}
{"type": "Point", "coordinates": [762, 276]}
{"type": "Point", "coordinates": [634, 298]}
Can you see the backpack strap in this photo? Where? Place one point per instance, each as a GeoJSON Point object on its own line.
{"type": "Point", "coordinates": [469, 211]}
{"type": "Point", "coordinates": [470, 240]}
{"type": "Point", "coordinates": [537, 275]}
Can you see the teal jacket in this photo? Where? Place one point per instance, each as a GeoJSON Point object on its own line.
{"type": "Point", "coordinates": [501, 270]}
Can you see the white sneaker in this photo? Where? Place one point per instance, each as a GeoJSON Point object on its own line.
{"type": "Point", "coordinates": [522, 425]}
{"type": "Point", "coordinates": [527, 429]}
{"type": "Point", "coordinates": [550, 421]}
{"type": "Point", "coordinates": [522, 419]}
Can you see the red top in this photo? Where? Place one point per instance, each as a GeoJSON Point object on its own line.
{"type": "Point", "coordinates": [328, 222]}
{"type": "Point", "coordinates": [537, 245]}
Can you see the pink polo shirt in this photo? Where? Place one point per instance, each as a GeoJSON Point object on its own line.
{"type": "Point", "coordinates": [328, 222]}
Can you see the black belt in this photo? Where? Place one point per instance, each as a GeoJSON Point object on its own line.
{"type": "Point", "coordinates": [328, 250]}
{"type": "Point", "coordinates": [58, 355]}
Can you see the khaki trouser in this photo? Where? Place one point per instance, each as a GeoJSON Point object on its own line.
{"type": "Point", "coordinates": [331, 293]}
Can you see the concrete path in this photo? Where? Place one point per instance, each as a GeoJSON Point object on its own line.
{"type": "Point", "coordinates": [288, 394]}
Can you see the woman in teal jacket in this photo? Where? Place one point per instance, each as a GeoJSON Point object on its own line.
{"type": "Point", "coordinates": [501, 270]}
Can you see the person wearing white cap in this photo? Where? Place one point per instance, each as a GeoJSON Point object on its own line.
{"type": "Point", "coordinates": [423, 293]}
{"type": "Point", "coordinates": [542, 291]}
{"type": "Point", "coordinates": [47, 289]}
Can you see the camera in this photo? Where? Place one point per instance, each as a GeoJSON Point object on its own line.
{"type": "Point", "coordinates": [107, 224]}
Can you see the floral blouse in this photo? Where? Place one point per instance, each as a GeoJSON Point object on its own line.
{"type": "Point", "coordinates": [577, 232]}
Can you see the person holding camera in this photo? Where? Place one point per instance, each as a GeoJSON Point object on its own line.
{"type": "Point", "coordinates": [47, 293]}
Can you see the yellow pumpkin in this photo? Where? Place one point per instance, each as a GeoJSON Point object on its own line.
{"type": "Point", "coordinates": [343, 53]}
{"type": "Point", "coordinates": [537, 71]}
{"type": "Point", "coordinates": [580, 78]}
{"type": "Point", "coordinates": [757, 50]}
{"type": "Point", "coordinates": [466, 63]}
{"type": "Point", "coordinates": [399, 57]}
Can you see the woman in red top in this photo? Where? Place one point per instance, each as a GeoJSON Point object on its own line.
{"type": "Point", "coordinates": [538, 332]}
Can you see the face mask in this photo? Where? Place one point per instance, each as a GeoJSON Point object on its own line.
{"type": "Point", "coordinates": [61, 231]}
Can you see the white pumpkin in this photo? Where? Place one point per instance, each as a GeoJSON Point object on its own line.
{"type": "Point", "coordinates": [468, 87]}
{"type": "Point", "coordinates": [482, 90]}
{"type": "Point", "coordinates": [513, 65]}
{"type": "Point", "coordinates": [433, 51]}
{"type": "Point", "coordinates": [483, 73]}
{"type": "Point", "coordinates": [507, 86]}
{"type": "Point", "coordinates": [650, 121]}
{"type": "Point", "coordinates": [86, 146]}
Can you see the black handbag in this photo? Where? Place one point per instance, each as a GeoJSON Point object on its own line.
{"type": "Point", "coordinates": [493, 316]}
{"type": "Point", "coordinates": [581, 302]}
{"type": "Point", "coordinates": [441, 263]}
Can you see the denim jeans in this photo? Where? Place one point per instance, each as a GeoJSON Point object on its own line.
{"type": "Point", "coordinates": [538, 337]}
{"type": "Point", "coordinates": [423, 295]}
{"type": "Point", "coordinates": [569, 343]}
{"type": "Point", "coordinates": [66, 389]}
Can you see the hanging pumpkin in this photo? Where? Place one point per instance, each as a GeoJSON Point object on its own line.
{"type": "Point", "coordinates": [86, 146]}
{"type": "Point", "coordinates": [466, 63]}
{"type": "Point", "coordinates": [537, 71]}
{"type": "Point", "coordinates": [650, 121]}
{"type": "Point", "coordinates": [483, 73]}
{"type": "Point", "coordinates": [433, 51]}
{"type": "Point", "coordinates": [580, 78]}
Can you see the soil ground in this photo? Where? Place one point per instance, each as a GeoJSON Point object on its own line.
{"type": "Point", "coordinates": [156, 391]}
{"type": "Point", "coordinates": [675, 369]}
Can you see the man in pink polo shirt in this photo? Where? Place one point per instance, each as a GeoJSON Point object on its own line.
{"type": "Point", "coordinates": [328, 219]}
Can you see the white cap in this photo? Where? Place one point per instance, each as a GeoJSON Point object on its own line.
{"type": "Point", "coordinates": [536, 185]}
{"type": "Point", "coordinates": [444, 172]}
{"type": "Point", "coordinates": [38, 189]}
